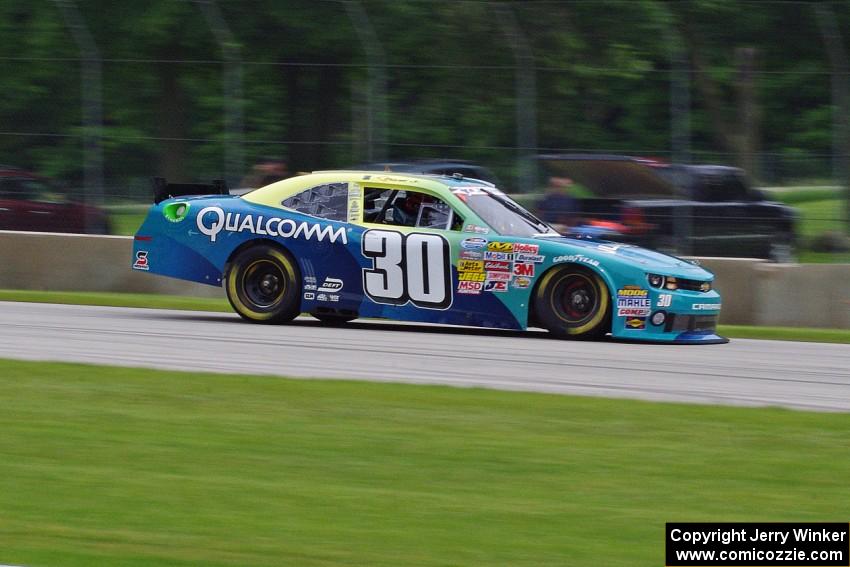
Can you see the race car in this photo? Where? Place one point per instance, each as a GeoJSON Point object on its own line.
{"type": "Point", "coordinates": [426, 248]}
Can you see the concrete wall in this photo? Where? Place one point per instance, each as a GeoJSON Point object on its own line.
{"type": "Point", "coordinates": [78, 262]}
{"type": "Point", "coordinates": [754, 292]}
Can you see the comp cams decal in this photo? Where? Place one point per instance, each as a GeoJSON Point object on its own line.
{"type": "Point", "coordinates": [212, 220]}
{"type": "Point", "coordinates": [413, 268]}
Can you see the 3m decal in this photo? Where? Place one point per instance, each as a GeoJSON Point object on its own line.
{"type": "Point", "coordinates": [524, 269]}
{"type": "Point", "coordinates": [212, 220]}
{"type": "Point", "coordinates": [470, 266]}
{"type": "Point", "coordinates": [407, 268]}
{"type": "Point", "coordinates": [141, 262]}
{"type": "Point", "coordinates": [500, 246]}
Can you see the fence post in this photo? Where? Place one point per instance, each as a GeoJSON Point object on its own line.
{"type": "Point", "coordinates": [234, 156]}
{"type": "Point", "coordinates": [91, 93]}
{"type": "Point", "coordinates": [840, 77]}
{"type": "Point", "coordinates": [376, 108]}
{"type": "Point", "coordinates": [526, 98]}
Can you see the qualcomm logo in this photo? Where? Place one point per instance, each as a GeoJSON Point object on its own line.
{"type": "Point", "coordinates": [212, 220]}
{"type": "Point", "coordinates": [331, 285]}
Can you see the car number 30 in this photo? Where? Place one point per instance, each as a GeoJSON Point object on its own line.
{"type": "Point", "coordinates": [412, 268]}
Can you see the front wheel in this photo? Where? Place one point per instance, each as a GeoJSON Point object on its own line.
{"type": "Point", "coordinates": [573, 303]}
{"type": "Point", "coordinates": [263, 285]}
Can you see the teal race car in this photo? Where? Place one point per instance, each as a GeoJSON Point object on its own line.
{"type": "Point", "coordinates": [437, 249]}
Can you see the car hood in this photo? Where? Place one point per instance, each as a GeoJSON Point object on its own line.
{"type": "Point", "coordinates": [642, 258]}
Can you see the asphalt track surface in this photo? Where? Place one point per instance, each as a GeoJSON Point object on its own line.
{"type": "Point", "coordinates": [799, 375]}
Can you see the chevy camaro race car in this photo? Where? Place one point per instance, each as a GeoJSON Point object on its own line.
{"type": "Point", "coordinates": [438, 249]}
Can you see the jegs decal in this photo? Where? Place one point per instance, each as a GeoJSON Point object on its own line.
{"type": "Point", "coordinates": [413, 268]}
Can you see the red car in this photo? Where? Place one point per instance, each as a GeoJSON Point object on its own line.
{"type": "Point", "coordinates": [34, 203]}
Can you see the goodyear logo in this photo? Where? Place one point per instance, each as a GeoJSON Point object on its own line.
{"type": "Point", "coordinates": [500, 246]}
{"type": "Point", "coordinates": [470, 266]}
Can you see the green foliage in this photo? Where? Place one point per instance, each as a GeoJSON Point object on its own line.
{"type": "Point", "coordinates": [602, 74]}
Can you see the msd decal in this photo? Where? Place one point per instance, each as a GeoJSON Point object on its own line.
{"type": "Point", "coordinates": [212, 220]}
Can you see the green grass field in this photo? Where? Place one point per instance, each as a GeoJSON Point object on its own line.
{"type": "Point", "coordinates": [109, 466]}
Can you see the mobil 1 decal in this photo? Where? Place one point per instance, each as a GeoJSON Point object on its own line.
{"type": "Point", "coordinates": [413, 268]}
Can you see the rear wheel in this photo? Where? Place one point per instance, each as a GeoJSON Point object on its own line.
{"type": "Point", "coordinates": [573, 303]}
{"type": "Point", "coordinates": [263, 285]}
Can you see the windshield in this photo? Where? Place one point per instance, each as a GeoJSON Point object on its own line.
{"type": "Point", "coordinates": [503, 214]}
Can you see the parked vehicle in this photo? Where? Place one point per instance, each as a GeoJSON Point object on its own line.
{"type": "Point", "coordinates": [705, 210]}
{"type": "Point", "coordinates": [31, 202]}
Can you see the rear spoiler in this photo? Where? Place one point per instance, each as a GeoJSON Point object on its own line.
{"type": "Point", "coordinates": [163, 190]}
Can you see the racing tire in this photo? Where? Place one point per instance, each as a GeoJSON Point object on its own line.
{"type": "Point", "coordinates": [264, 285]}
{"type": "Point", "coordinates": [333, 319]}
{"type": "Point", "coordinates": [573, 303]}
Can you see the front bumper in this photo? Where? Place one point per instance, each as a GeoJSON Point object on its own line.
{"type": "Point", "coordinates": [678, 317]}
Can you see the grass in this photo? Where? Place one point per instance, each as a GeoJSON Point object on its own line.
{"type": "Point", "coordinates": [125, 221]}
{"type": "Point", "coordinates": [114, 466]}
{"type": "Point", "coordinates": [221, 305]}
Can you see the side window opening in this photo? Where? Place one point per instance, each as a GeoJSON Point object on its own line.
{"type": "Point", "coordinates": [329, 201]}
{"type": "Point", "coordinates": [409, 208]}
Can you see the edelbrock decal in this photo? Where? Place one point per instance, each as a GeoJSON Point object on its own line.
{"type": "Point", "coordinates": [274, 226]}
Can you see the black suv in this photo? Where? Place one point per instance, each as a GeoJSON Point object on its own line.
{"type": "Point", "coordinates": [704, 210]}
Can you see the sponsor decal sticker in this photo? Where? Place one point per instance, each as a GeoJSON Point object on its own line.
{"type": "Point", "coordinates": [579, 258]}
{"type": "Point", "coordinates": [633, 297]}
{"type": "Point", "coordinates": [496, 286]}
{"type": "Point", "coordinates": [536, 258]}
{"type": "Point", "coordinates": [499, 256]}
{"type": "Point", "coordinates": [470, 266]}
{"type": "Point", "coordinates": [524, 269]}
{"type": "Point", "coordinates": [496, 266]}
{"type": "Point", "coordinates": [471, 254]}
{"type": "Point", "coordinates": [473, 243]}
{"type": "Point", "coordinates": [470, 287]}
{"type": "Point", "coordinates": [309, 296]}
{"type": "Point", "coordinates": [706, 306]}
{"type": "Point", "coordinates": [521, 283]}
{"type": "Point", "coordinates": [322, 297]}
{"type": "Point", "coordinates": [476, 229]}
{"type": "Point", "coordinates": [333, 298]}
{"type": "Point", "coordinates": [526, 248]}
{"type": "Point", "coordinates": [498, 276]}
{"type": "Point", "coordinates": [636, 323]}
{"type": "Point", "coordinates": [471, 276]}
{"type": "Point", "coordinates": [331, 285]}
{"type": "Point", "coordinates": [632, 312]}
{"type": "Point", "coordinates": [500, 246]}
{"type": "Point", "coordinates": [141, 262]}
{"type": "Point", "coordinates": [212, 220]}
